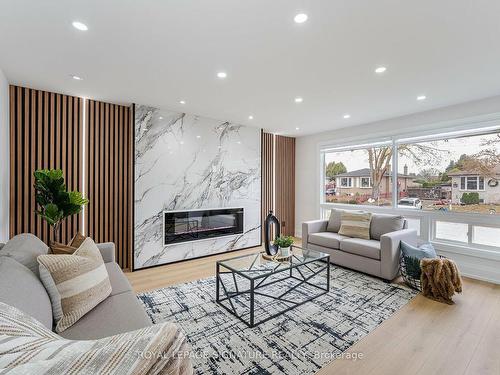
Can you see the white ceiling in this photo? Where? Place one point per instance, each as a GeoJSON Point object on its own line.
{"type": "Point", "coordinates": [161, 52]}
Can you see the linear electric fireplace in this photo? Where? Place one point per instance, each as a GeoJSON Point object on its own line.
{"type": "Point", "coordinates": [195, 225]}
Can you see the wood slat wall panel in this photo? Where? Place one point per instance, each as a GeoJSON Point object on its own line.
{"type": "Point", "coordinates": [42, 135]}
{"type": "Point", "coordinates": [267, 147]}
{"type": "Point", "coordinates": [285, 183]}
{"type": "Point", "coordinates": [109, 167]}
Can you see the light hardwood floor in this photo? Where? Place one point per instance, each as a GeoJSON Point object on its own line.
{"type": "Point", "coordinates": [423, 338]}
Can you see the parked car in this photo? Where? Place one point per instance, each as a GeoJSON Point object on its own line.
{"type": "Point", "coordinates": [415, 203]}
{"type": "Point", "coordinates": [441, 202]}
{"type": "Point", "coordinates": [330, 192]}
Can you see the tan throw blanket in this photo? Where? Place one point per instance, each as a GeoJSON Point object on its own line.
{"type": "Point", "coordinates": [440, 279]}
{"type": "Point", "coordinates": [27, 347]}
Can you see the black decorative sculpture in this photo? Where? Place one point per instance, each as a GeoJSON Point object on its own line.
{"type": "Point", "coordinates": [271, 249]}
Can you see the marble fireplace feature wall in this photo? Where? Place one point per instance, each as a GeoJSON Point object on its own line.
{"type": "Point", "coordinates": [185, 162]}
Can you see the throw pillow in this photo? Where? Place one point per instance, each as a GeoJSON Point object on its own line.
{"type": "Point", "coordinates": [335, 219]}
{"type": "Point", "coordinates": [385, 223]}
{"type": "Point", "coordinates": [413, 255]}
{"type": "Point", "coordinates": [356, 224]}
{"type": "Point", "coordinates": [25, 248]}
{"type": "Point", "coordinates": [75, 283]}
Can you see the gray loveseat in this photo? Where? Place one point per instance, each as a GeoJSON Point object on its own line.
{"type": "Point", "coordinates": [21, 287]}
{"type": "Point", "coordinates": [378, 256]}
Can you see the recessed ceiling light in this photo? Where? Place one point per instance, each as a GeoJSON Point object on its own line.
{"type": "Point", "coordinates": [380, 69]}
{"type": "Point", "coordinates": [299, 99]}
{"type": "Point", "coordinates": [347, 115]}
{"type": "Point", "coordinates": [182, 102]}
{"type": "Point", "coordinates": [300, 18]}
{"type": "Point", "coordinates": [222, 74]}
{"type": "Point", "coordinates": [161, 117]}
{"type": "Point", "coordinates": [297, 128]}
{"type": "Point", "coordinates": [76, 78]}
{"type": "Point", "coordinates": [421, 97]}
{"type": "Point", "coordinates": [80, 26]}
{"type": "Point", "coordinates": [198, 136]}
{"type": "Point", "coordinates": [250, 117]}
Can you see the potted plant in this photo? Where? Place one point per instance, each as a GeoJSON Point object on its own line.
{"type": "Point", "coordinates": [55, 203]}
{"type": "Point", "coordinates": [284, 243]}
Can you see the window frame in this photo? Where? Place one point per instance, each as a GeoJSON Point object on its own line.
{"type": "Point", "coordinates": [426, 219]}
{"type": "Point", "coordinates": [349, 185]}
{"type": "Point", "coordinates": [369, 183]}
{"type": "Point", "coordinates": [478, 183]}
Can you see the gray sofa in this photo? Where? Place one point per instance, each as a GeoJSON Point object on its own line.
{"type": "Point", "coordinates": [21, 287]}
{"type": "Point", "coordinates": [378, 256]}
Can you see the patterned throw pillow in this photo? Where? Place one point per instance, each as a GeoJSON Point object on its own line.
{"type": "Point", "coordinates": [414, 254]}
{"type": "Point", "coordinates": [355, 224]}
{"type": "Point", "coordinates": [75, 283]}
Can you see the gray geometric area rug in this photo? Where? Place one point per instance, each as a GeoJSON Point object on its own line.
{"type": "Point", "coordinates": [299, 341]}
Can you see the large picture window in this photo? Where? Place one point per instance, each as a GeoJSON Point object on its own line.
{"type": "Point", "coordinates": [453, 174]}
{"type": "Point", "coordinates": [437, 180]}
{"type": "Point", "coordinates": [360, 176]}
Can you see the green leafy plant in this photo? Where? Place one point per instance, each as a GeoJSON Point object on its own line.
{"type": "Point", "coordinates": [284, 241]}
{"type": "Point", "coordinates": [54, 202]}
{"type": "Point", "coordinates": [470, 198]}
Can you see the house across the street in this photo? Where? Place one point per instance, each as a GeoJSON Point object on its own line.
{"type": "Point", "coordinates": [487, 186]}
{"type": "Point", "coordinates": [360, 182]}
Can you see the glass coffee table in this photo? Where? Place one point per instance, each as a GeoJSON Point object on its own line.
{"type": "Point", "coordinates": [255, 289]}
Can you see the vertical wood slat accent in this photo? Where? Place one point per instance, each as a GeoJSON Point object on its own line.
{"type": "Point", "coordinates": [267, 180]}
{"type": "Point", "coordinates": [40, 129]}
{"type": "Point", "coordinates": [109, 171]}
{"type": "Point", "coordinates": [285, 183]}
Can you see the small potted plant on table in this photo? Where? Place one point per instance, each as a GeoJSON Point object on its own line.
{"type": "Point", "coordinates": [284, 243]}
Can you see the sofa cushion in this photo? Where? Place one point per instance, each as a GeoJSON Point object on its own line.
{"type": "Point", "coordinates": [27, 347]}
{"type": "Point", "coordinates": [75, 283]}
{"type": "Point", "coordinates": [335, 219]}
{"type": "Point", "coordinates": [356, 224]}
{"type": "Point", "coordinates": [25, 248]}
{"type": "Point", "coordinates": [116, 314]}
{"type": "Point", "coordinates": [326, 239]}
{"type": "Point", "coordinates": [19, 287]}
{"type": "Point", "coordinates": [118, 280]}
{"type": "Point", "coordinates": [361, 247]}
{"type": "Point", "coordinates": [385, 223]}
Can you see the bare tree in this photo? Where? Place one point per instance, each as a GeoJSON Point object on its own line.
{"type": "Point", "coordinates": [486, 161]}
{"type": "Point", "coordinates": [380, 158]}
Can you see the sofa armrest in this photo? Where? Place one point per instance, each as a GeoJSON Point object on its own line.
{"type": "Point", "coordinates": [389, 250]}
{"type": "Point", "coordinates": [107, 250]}
{"type": "Point", "coordinates": [313, 226]}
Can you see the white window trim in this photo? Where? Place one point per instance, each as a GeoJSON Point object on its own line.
{"type": "Point", "coordinates": [349, 185]}
{"type": "Point", "coordinates": [462, 127]}
{"type": "Point", "coordinates": [477, 180]}
{"type": "Point", "coordinates": [369, 183]}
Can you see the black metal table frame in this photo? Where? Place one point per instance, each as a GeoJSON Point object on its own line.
{"type": "Point", "coordinates": [259, 282]}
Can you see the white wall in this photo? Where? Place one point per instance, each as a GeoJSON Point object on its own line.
{"type": "Point", "coordinates": [4, 158]}
{"type": "Point", "coordinates": [475, 263]}
{"type": "Point", "coordinates": [307, 155]}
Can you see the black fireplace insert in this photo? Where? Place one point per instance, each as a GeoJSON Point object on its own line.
{"type": "Point", "coordinates": [194, 225]}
